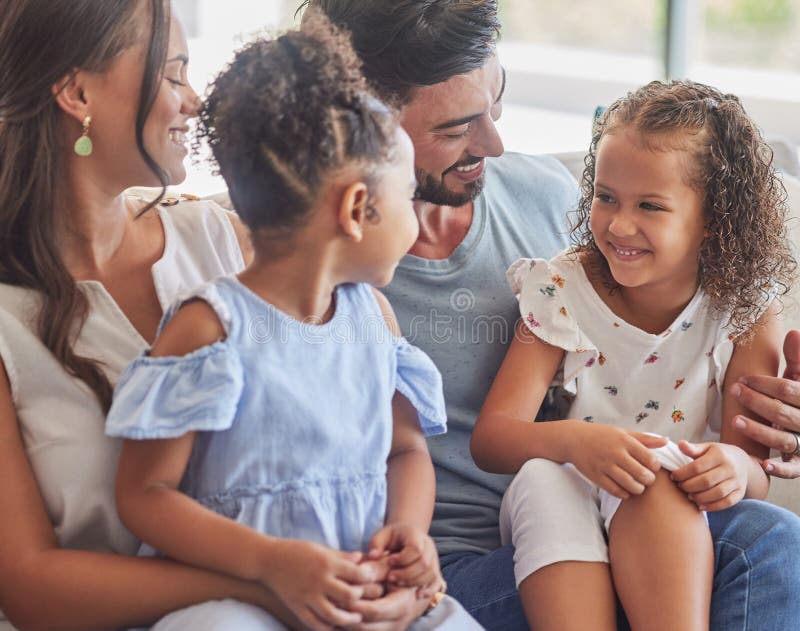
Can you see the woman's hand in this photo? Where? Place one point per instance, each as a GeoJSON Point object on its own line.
{"type": "Point", "coordinates": [320, 586]}
{"type": "Point", "coordinates": [777, 401]}
{"type": "Point", "coordinates": [395, 611]}
{"type": "Point", "coordinates": [717, 478]}
{"type": "Point", "coordinates": [413, 558]}
{"type": "Point", "coordinates": [615, 459]}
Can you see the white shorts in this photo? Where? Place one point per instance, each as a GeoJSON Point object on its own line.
{"type": "Point", "coordinates": [227, 615]}
{"type": "Point", "coordinates": [552, 513]}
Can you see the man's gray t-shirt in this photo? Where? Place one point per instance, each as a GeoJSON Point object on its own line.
{"type": "Point", "coordinates": [461, 311]}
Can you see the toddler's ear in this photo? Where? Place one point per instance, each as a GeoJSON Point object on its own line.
{"type": "Point", "coordinates": [353, 210]}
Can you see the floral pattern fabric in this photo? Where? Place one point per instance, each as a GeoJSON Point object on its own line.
{"type": "Point", "coordinates": [615, 373]}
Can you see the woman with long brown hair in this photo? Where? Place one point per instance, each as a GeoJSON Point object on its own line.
{"type": "Point", "coordinates": [93, 100]}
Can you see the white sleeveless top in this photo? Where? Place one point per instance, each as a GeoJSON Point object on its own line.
{"type": "Point", "coordinates": [61, 421]}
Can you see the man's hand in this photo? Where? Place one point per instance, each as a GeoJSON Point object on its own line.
{"type": "Point", "coordinates": [776, 400]}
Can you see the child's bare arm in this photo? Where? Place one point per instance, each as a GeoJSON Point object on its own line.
{"type": "Point", "coordinates": [316, 583]}
{"type": "Point", "coordinates": [410, 495]}
{"type": "Point", "coordinates": [724, 473]}
{"type": "Point", "coordinates": [505, 436]}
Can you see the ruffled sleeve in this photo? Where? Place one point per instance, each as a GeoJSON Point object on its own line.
{"type": "Point", "coordinates": [420, 382]}
{"type": "Point", "coordinates": [543, 295]}
{"type": "Point", "coordinates": [166, 397]}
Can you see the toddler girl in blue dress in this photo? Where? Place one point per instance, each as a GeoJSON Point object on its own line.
{"type": "Point", "coordinates": [277, 426]}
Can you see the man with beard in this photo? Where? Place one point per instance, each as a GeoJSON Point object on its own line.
{"type": "Point", "coordinates": [479, 210]}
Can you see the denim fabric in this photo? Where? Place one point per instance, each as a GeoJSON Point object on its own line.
{"type": "Point", "coordinates": [756, 583]}
{"type": "Point", "coordinates": [757, 570]}
{"type": "Point", "coordinates": [294, 420]}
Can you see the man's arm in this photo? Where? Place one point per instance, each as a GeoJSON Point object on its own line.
{"type": "Point", "coordinates": [777, 400]}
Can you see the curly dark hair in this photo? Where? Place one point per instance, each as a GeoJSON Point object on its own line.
{"type": "Point", "coordinates": [286, 114]}
{"type": "Point", "coordinates": [406, 44]}
{"type": "Point", "coordinates": [746, 257]}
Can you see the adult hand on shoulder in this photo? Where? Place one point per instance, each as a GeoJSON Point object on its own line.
{"type": "Point", "coordinates": [777, 400]}
{"type": "Point", "coordinates": [717, 478]}
{"type": "Point", "coordinates": [395, 611]}
{"type": "Point", "coordinates": [615, 459]}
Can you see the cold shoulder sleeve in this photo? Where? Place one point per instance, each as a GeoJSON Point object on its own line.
{"type": "Point", "coordinates": [543, 294]}
{"type": "Point", "coordinates": [167, 397]}
{"type": "Point", "coordinates": [420, 382]}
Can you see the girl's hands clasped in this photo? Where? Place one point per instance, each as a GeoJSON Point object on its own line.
{"type": "Point", "coordinates": [318, 584]}
{"type": "Point", "coordinates": [717, 479]}
{"type": "Point", "coordinates": [617, 460]}
{"type": "Point", "coordinates": [412, 557]}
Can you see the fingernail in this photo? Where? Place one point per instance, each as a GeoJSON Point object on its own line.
{"type": "Point", "coordinates": [736, 390]}
{"type": "Point", "coordinates": [743, 380]}
{"type": "Point", "coordinates": [739, 422]}
{"type": "Point", "coordinates": [769, 468]}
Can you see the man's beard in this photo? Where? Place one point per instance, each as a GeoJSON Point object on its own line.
{"type": "Point", "coordinates": [433, 190]}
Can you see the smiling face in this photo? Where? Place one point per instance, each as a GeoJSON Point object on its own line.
{"type": "Point", "coordinates": [646, 219]}
{"type": "Point", "coordinates": [176, 102]}
{"type": "Point", "coordinates": [452, 126]}
{"type": "Point", "coordinates": [113, 104]}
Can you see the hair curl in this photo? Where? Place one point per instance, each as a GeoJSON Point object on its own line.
{"type": "Point", "coordinates": [285, 114]}
{"type": "Point", "coordinates": [746, 257]}
{"type": "Point", "coordinates": [405, 44]}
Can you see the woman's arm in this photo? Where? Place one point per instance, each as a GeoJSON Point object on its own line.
{"type": "Point", "coordinates": [43, 586]}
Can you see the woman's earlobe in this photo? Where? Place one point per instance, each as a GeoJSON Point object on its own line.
{"type": "Point", "coordinates": [70, 96]}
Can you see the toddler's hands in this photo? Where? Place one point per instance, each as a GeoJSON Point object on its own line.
{"type": "Point", "coordinates": [319, 585]}
{"type": "Point", "coordinates": [717, 478]}
{"type": "Point", "coordinates": [412, 558]}
{"type": "Point", "coordinates": [615, 459]}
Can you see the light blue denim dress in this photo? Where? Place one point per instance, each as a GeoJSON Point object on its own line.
{"type": "Point", "coordinates": [294, 420]}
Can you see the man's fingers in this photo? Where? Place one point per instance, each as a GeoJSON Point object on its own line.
{"type": "Point", "coordinates": [779, 469]}
{"type": "Point", "coordinates": [771, 437]}
{"type": "Point", "coordinates": [771, 398]}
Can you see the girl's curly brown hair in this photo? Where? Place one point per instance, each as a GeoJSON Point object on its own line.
{"type": "Point", "coordinates": [746, 257]}
{"type": "Point", "coordinates": [287, 113]}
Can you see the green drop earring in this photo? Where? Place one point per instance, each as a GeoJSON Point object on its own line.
{"type": "Point", "coordinates": [83, 145]}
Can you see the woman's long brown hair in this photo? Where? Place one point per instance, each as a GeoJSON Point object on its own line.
{"type": "Point", "coordinates": [41, 42]}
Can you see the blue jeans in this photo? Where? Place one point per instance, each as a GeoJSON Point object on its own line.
{"type": "Point", "coordinates": [756, 574]}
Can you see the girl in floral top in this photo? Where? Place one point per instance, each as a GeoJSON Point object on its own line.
{"type": "Point", "coordinates": [666, 300]}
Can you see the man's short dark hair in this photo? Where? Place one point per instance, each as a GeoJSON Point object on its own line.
{"type": "Point", "coordinates": [405, 44]}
